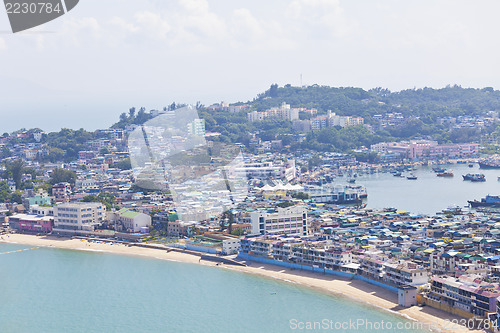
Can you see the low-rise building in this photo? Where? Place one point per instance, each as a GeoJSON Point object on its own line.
{"type": "Point", "coordinates": [289, 221]}
{"type": "Point", "coordinates": [61, 192]}
{"type": "Point", "coordinates": [130, 221]}
{"type": "Point", "coordinates": [467, 293]}
{"type": "Point", "coordinates": [78, 217]}
{"type": "Point", "coordinates": [30, 223]}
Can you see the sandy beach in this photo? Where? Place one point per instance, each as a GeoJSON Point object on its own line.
{"type": "Point", "coordinates": [356, 290]}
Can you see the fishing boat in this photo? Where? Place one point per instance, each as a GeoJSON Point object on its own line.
{"type": "Point", "coordinates": [360, 189]}
{"type": "Point", "coordinates": [438, 170]}
{"type": "Point", "coordinates": [397, 174]}
{"type": "Point", "coordinates": [489, 164]}
{"type": "Point", "coordinates": [474, 177]}
{"type": "Point", "coordinates": [411, 177]}
{"type": "Point", "coordinates": [488, 201]}
{"type": "Point", "coordinates": [471, 165]}
{"type": "Point", "coordinates": [453, 210]}
{"type": "Point", "coordinates": [446, 173]}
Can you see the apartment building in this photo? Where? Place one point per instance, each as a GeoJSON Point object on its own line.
{"type": "Point", "coordinates": [266, 170]}
{"type": "Point", "coordinates": [467, 293]}
{"type": "Point", "coordinates": [454, 262]}
{"type": "Point", "coordinates": [61, 192]}
{"type": "Point", "coordinates": [76, 217]}
{"type": "Point", "coordinates": [405, 273]}
{"type": "Point", "coordinates": [289, 221]}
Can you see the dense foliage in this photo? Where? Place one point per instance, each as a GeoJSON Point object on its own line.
{"type": "Point", "coordinates": [106, 199]}
{"type": "Point", "coordinates": [59, 175]}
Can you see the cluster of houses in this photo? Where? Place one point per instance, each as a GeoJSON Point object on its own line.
{"type": "Point", "coordinates": [448, 262]}
{"type": "Point", "coordinates": [477, 122]}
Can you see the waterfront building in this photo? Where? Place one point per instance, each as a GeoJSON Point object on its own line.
{"type": "Point", "coordinates": [417, 149]}
{"type": "Point", "coordinates": [76, 217]}
{"type": "Point", "coordinates": [230, 243]}
{"type": "Point", "coordinates": [468, 293]}
{"type": "Point", "coordinates": [405, 273]}
{"type": "Point", "coordinates": [129, 220]}
{"type": "Point", "coordinates": [313, 253]}
{"type": "Point", "coordinates": [289, 221]}
{"type": "Point", "coordinates": [31, 223]}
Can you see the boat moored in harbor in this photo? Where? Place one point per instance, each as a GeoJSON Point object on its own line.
{"type": "Point", "coordinates": [488, 201]}
{"type": "Point", "coordinates": [474, 177]}
{"type": "Point", "coordinates": [453, 210]}
{"type": "Point", "coordinates": [445, 173]}
{"type": "Point", "coordinates": [489, 164]}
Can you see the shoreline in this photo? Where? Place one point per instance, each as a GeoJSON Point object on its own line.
{"type": "Point", "coordinates": [356, 290]}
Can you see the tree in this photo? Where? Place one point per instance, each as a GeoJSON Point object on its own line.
{"type": "Point", "coordinates": [131, 112]}
{"type": "Point", "coordinates": [285, 204]}
{"type": "Point", "coordinates": [229, 217]}
{"type": "Point", "coordinates": [59, 175]}
{"type": "Point", "coordinates": [273, 90]}
{"type": "Point", "coordinates": [5, 153]}
{"type": "Point", "coordinates": [55, 155]}
{"type": "Point", "coordinates": [238, 232]}
{"type": "Point", "coordinates": [5, 192]}
{"type": "Point", "coordinates": [17, 197]}
{"type": "Point", "coordinates": [15, 170]}
{"type": "Point", "coordinates": [106, 199]}
{"type": "Point", "coordinates": [300, 195]}
{"type": "Point", "coordinates": [123, 117]}
{"type": "Point", "coordinates": [123, 164]}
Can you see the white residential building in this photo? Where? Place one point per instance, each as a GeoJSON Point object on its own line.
{"type": "Point", "coordinates": [74, 217]}
{"type": "Point", "coordinates": [266, 170]}
{"type": "Point", "coordinates": [129, 220]}
{"type": "Point", "coordinates": [290, 221]}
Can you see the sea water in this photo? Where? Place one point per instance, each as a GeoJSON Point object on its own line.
{"type": "Point", "coordinates": [428, 194]}
{"type": "Point", "coordinates": [56, 290]}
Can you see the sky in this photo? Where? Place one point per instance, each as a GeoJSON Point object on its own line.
{"type": "Point", "coordinates": [85, 68]}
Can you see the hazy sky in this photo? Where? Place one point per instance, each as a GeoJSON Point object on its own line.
{"type": "Point", "coordinates": [104, 56]}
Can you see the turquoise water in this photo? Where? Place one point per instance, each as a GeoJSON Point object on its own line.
{"type": "Point", "coordinates": [54, 290]}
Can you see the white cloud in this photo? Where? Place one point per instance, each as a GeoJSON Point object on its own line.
{"type": "Point", "coordinates": [197, 19]}
{"type": "Point", "coordinates": [79, 31]}
{"type": "Point", "coordinates": [318, 16]}
{"type": "Point", "coordinates": [124, 25]}
{"type": "Point", "coordinates": [250, 32]}
{"type": "Point", "coordinates": [3, 45]}
{"type": "Point", "coordinates": [153, 24]}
